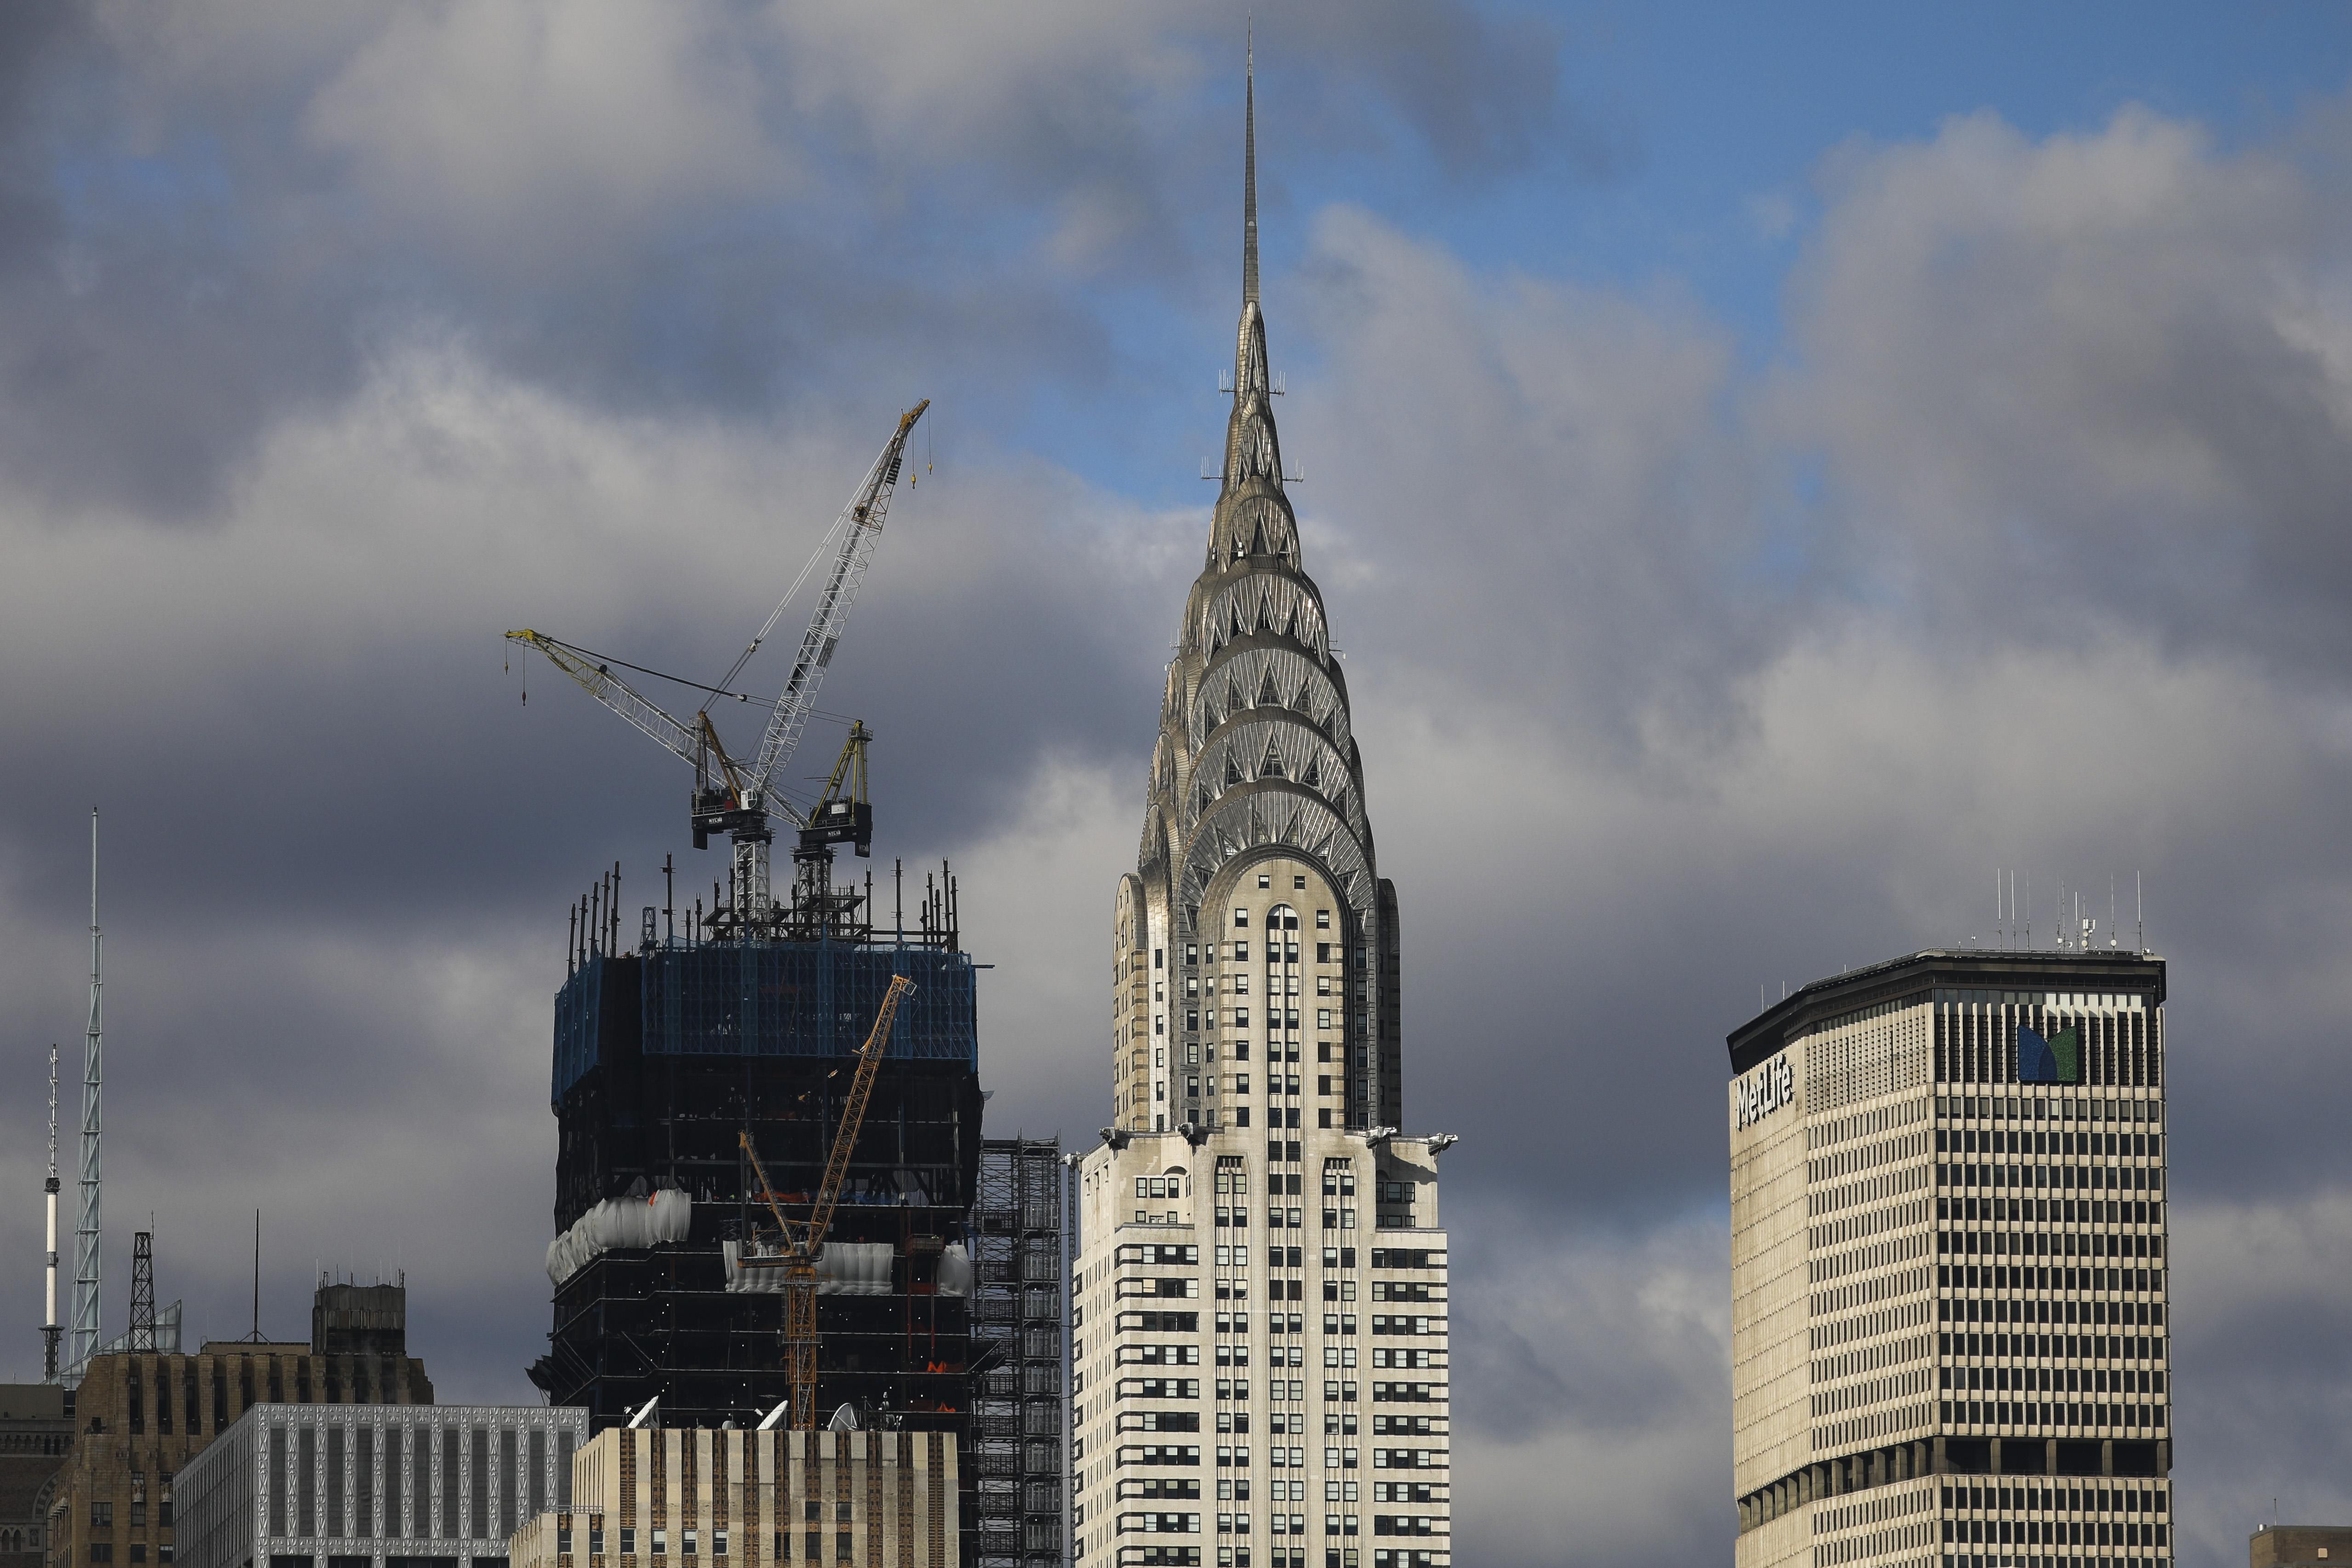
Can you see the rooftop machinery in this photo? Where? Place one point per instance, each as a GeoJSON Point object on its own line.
{"type": "Point", "coordinates": [737, 799]}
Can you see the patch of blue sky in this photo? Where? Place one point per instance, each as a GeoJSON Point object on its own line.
{"type": "Point", "coordinates": [106, 190]}
{"type": "Point", "coordinates": [1725, 112]}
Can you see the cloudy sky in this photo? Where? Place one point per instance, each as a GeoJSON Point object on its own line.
{"type": "Point", "coordinates": [1767, 468]}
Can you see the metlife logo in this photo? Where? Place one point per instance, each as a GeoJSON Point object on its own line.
{"type": "Point", "coordinates": [1760, 1093]}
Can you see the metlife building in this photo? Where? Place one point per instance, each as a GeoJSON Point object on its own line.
{"type": "Point", "coordinates": [1949, 1265]}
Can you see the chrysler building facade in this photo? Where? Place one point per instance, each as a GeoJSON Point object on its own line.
{"type": "Point", "coordinates": [1258, 1293]}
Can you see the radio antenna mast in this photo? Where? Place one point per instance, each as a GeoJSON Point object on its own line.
{"type": "Point", "coordinates": [93, 1084]}
{"type": "Point", "coordinates": [50, 1328]}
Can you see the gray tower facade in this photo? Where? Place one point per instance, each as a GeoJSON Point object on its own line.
{"type": "Point", "coordinates": [1950, 1334]}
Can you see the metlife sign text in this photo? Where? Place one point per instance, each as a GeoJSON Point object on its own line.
{"type": "Point", "coordinates": [1760, 1093]}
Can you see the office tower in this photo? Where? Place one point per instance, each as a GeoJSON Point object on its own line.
{"type": "Point", "coordinates": [1259, 1331]}
{"type": "Point", "coordinates": [1948, 1303]}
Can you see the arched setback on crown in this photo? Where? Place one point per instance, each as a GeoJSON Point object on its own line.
{"type": "Point", "coordinates": [1277, 973]}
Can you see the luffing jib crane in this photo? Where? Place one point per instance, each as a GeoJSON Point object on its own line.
{"type": "Point", "coordinates": [803, 1243]}
{"type": "Point", "coordinates": [732, 797]}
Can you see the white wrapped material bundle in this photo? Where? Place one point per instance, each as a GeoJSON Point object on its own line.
{"type": "Point", "coordinates": [955, 1271]}
{"type": "Point", "coordinates": [843, 1269]}
{"type": "Point", "coordinates": [619, 1222]}
{"type": "Point", "coordinates": [768, 1281]}
{"type": "Point", "coordinates": [855, 1269]}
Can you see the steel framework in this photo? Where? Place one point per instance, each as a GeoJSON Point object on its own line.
{"type": "Point", "coordinates": [87, 1233]}
{"type": "Point", "coordinates": [1020, 1343]}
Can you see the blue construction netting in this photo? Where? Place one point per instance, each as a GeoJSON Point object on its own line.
{"type": "Point", "coordinates": [773, 998]}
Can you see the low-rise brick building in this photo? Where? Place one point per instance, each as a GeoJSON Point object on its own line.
{"type": "Point", "coordinates": [138, 1416]}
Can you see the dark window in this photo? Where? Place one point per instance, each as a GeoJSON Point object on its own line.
{"type": "Point", "coordinates": [449, 1482]}
{"type": "Point", "coordinates": [507, 1522]}
{"type": "Point", "coordinates": [477, 1512]}
{"type": "Point", "coordinates": [306, 1481]}
{"type": "Point", "coordinates": [363, 1483]}
{"type": "Point", "coordinates": [274, 1483]}
{"type": "Point", "coordinates": [335, 1480]}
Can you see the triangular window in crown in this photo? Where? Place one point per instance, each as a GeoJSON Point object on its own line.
{"type": "Point", "coordinates": [1266, 695]}
{"type": "Point", "coordinates": [1313, 779]}
{"type": "Point", "coordinates": [1233, 770]}
{"type": "Point", "coordinates": [1272, 766]}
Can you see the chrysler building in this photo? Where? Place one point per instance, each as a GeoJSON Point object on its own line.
{"type": "Point", "coordinates": [1258, 1292]}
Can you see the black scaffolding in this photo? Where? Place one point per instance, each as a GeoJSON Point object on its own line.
{"type": "Point", "coordinates": [1019, 1341]}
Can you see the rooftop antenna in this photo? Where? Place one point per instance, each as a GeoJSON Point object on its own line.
{"type": "Point", "coordinates": [1249, 167]}
{"type": "Point", "coordinates": [50, 1330]}
{"type": "Point", "coordinates": [142, 1289]}
{"type": "Point", "coordinates": [254, 1337]}
{"type": "Point", "coordinates": [2139, 914]}
{"type": "Point", "coordinates": [2111, 911]}
{"type": "Point", "coordinates": [93, 1082]}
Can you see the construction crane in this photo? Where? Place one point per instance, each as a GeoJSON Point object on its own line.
{"type": "Point", "coordinates": [802, 1244]}
{"type": "Point", "coordinates": [841, 815]}
{"type": "Point", "coordinates": [730, 796]}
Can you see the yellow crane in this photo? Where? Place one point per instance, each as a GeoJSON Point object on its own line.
{"type": "Point", "coordinates": [802, 1244]}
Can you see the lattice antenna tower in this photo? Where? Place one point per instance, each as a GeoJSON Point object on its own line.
{"type": "Point", "coordinates": [93, 1084]}
{"type": "Point", "coordinates": [142, 1289]}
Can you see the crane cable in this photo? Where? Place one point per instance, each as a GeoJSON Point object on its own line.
{"type": "Point", "coordinates": [602, 659]}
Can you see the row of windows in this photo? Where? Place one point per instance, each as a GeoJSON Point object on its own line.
{"type": "Point", "coordinates": [2057, 1500]}
{"type": "Point", "coordinates": [2053, 1379]}
{"type": "Point", "coordinates": [2114, 1050]}
{"type": "Point", "coordinates": [2049, 1244]}
{"type": "Point", "coordinates": [2053, 1211]}
{"type": "Point", "coordinates": [2046, 1108]}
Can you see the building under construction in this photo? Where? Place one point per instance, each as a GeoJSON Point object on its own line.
{"type": "Point", "coordinates": [665, 1054]}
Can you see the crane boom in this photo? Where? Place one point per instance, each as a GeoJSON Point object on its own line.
{"type": "Point", "coordinates": [801, 1249]}
{"type": "Point", "coordinates": [853, 1115]}
{"type": "Point", "coordinates": [739, 800]}
{"type": "Point", "coordinates": [860, 527]}
{"type": "Point", "coordinates": [673, 735]}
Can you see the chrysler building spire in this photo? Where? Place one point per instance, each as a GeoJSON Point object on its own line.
{"type": "Point", "coordinates": [1249, 179]}
{"type": "Point", "coordinates": [1253, 1162]}
{"type": "Point", "coordinates": [1256, 779]}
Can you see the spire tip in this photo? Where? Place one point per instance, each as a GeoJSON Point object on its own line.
{"type": "Point", "coordinates": [1249, 169]}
